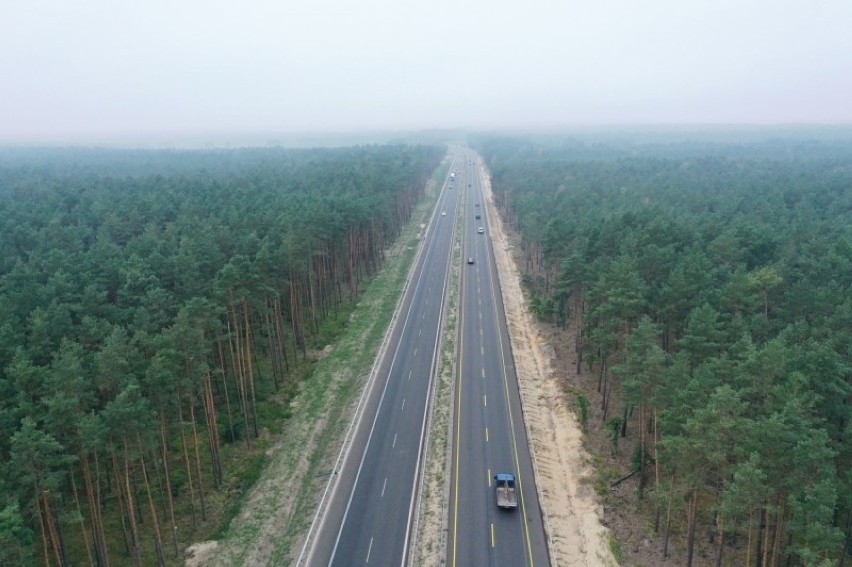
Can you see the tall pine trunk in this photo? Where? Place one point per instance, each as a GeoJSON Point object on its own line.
{"type": "Point", "coordinates": [270, 344]}
{"type": "Point", "coordinates": [668, 517]}
{"type": "Point", "coordinates": [212, 430]}
{"type": "Point", "coordinates": [135, 551]}
{"type": "Point", "coordinates": [167, 473]}
{"type": "Point", "coordinates": [83, 535]}
{"type": "Point", "coordinates": [281, 334]}
{"type": "Point", "coordinates": [158, 540]}
{"type": "Point", "coordinates": [222, 366]}
{"type": "Point", "coordinates": [93, 502]}
{"type": "Point", "coordinates": [721, 547]}
{"type": "Point", "coordinates": [692, 520]}
{"type": "Point", "coordinates": [50, 527]}
{"type": "Point", "coordinates": [748, 538]}
{"type": "Point", "coordinates": [118, 490]}
{"type": "Point", "coordinates": [250, 368]}
{"type": "Point", "coordinates": [201, 498]}
{"type": "Point", "coordinates": [187, 467]}
{"type": "Point", "coordinates": [238, 363]}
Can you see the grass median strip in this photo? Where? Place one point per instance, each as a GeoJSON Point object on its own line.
{"type": "Point", "coordinates": [431, 541]}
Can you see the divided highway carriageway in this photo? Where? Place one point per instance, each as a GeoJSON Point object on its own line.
{"type": "Point", "coordinates": [368, 515]}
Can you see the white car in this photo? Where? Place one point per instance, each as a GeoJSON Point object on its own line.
{"type": "Point", "coordinates": [443, 213]}
{"type": "Point", "coordinates": [480, 230]}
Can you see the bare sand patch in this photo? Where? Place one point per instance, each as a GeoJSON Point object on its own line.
{"type": "Point", "coordinates": [198, 554]}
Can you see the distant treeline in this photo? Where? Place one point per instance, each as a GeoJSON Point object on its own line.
{"type": "Point", "coordinates": [154, 305]}
{"type": "Point", "coordinates": [711, 288]}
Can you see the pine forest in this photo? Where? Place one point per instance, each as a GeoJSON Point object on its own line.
{"type": "Point", "coordinates": [157, 311]}
{"type": "Point", "coordinates": [160, 308]}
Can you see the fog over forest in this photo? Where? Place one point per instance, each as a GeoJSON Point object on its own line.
{"type": "Point", "coordinates": [260, 71]}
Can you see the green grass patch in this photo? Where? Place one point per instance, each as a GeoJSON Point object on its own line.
{"type": "Point", "coordinates": [334, 325]}
{"type": "Point", "coordinates": [604, 477]}
{"type": "Point", "coordinates": [239, 482]}
{"type": "Point", "coordinates": [615, 548]}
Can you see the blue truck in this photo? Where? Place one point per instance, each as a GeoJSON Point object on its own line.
{"type": "Point", "coordinates": [507, 497]}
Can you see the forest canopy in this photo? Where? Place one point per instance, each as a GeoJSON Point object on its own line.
{"type": "Point", "coordinates": [151, 302]}
{"type": "Point", "coordinates": [709, 283]}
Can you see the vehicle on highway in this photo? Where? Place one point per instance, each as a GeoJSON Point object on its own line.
{"type": "Point", "coordinates": [478, 216]}
{"type": "Point", "coordinates": [443, 213]}
{"type": "Point", "coordinates": [507, 498]}
{"type": "Point", "coordinates": [470, 260]}
{"type": "Point", "coordinates": [477, 204]}
{"type": "Point", "coordinates": [480, 230]}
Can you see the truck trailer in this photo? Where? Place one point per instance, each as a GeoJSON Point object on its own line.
{"type": "Point", "coordinates": [507, 497]}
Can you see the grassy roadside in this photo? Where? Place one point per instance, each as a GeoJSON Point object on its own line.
{"type": "Point", "coordinates": [274, 519]}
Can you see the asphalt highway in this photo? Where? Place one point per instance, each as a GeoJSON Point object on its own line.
{"type": "Point", "coordinates": [489, 433]}
{"type": "Point", "coordinates": [369, 516]}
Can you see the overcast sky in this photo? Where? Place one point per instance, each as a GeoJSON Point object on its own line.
{"type": "Point", "coordinates": [90, 69]}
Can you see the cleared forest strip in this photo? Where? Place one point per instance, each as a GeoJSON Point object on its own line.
{"type": "Point", "coordinates": [275, 518]}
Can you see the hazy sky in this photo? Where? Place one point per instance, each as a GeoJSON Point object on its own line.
{"type": "Point", "coordinates": [89, 69]}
